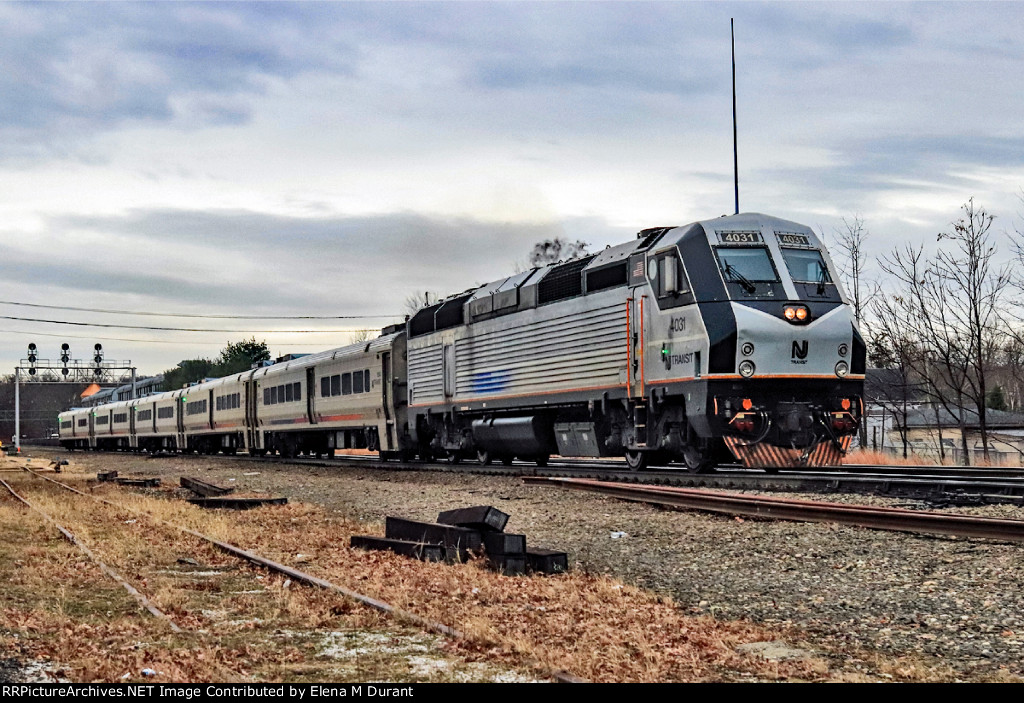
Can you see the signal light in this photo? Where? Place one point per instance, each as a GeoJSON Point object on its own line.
{"type": "Point", "coordinates": [98, 347]}
{"type": "Point", "coordinates": [747, 404]}
{"type": "Point", "coordinates": [31, 346]}
{"type": "Point", "coordinates": [97, 358]}
{"type": "Point", "coordinates": [64, 346]}
{"type": "Point", "coordinates": [97, 371]}
{"type": "Point", "coordinates": [31, 372]}
{"type": "Point", "coordinates": [845, 404]}
{"type": "Point", "coordinates": [64, 371]}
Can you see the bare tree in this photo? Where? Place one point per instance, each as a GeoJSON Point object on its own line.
{"type": "Point", "coordinates": [852, 264]}
{"type": "Point", "coordinates": [947, 309]}
{"type": "Point", "coordinates": [357, 336]}
{"type": "Point", "coordinates": [896, 389]}
{"type": "Point", "coordinates": [551, 250]}
{"type": "Point", "coordinates": [417, 301]}
{"type": "Point", "coordinates": [978, 288]}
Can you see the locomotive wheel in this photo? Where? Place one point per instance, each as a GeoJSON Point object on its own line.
{"type": "Point", "coordinates": [636, 460]}
{"type": "Point", "coordinates": [454, 457]}
{"type": "Point", "coordinates": [698, 460]}
{"type": "Point", "coordinates": [484, 457]}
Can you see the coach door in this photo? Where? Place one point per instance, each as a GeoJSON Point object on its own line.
{"type": "Point", "coordinates": [311, 395]}
{"type": "Point", "coordinates": [387, 395]}
{"type": "Point", "coordinates": [179, 421]}
{"type": "Point", "coordinates": [251, 429]}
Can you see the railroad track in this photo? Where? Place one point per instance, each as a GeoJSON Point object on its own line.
{"type": "Point", "coordinates": [957, 486]}
{"type": "Point", "coordinates": [875, 517]}
{"type": "Point", "coordinates": [947, 485]}
{"type": "Point", "coordinates": [248, 556]}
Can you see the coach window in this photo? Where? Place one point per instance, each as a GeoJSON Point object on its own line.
{"type": "Point", "coordinates": [297, 392]}
{"type": "Point", "coordinates": [266, 396]}
{"type": "Point", "coordinates": [289, 392]}
{"type": "Point", "coordinates": [273, 395]}
{"type": "Point", "coordinates": [357, 382]}
{"type": "Point", "coordinates": [366, 380]}
{"type": "Point", "coordinates": [325, 387]}
{"type": "Point", "coordinates": [346, 384]}
{"type": "Point", "coordinates": [336, 384]}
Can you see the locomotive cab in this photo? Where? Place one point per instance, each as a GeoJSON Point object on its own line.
{"type": "Point", "coordinates": [785, 364]}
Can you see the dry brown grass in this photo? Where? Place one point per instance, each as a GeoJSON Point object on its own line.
{"type": "Point", "coordinates": [57, 606]}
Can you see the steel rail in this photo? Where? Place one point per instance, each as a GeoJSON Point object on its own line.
{"type": "Point", "coordinates": [304, 578]}
{"type": "Point", "coordinates": [874, 517]}
{"type": "Point", "coordinates": [135, 593]}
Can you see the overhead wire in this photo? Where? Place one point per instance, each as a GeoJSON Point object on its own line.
{"type": "Point", "coordinates": [169, 329]}
{"type": "Point", "coordinates": [142, 341]}
{"type": "Point", "coordinates": [198, 315]}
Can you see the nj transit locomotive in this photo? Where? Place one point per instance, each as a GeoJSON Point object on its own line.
{"type": "Point", "coordinates": [720, 340]}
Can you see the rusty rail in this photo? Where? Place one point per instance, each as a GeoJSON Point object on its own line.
{"type": "Point", "coordinates": [874, 517]}
{"type": "Point", "coordinates": [143, 601]}
{"type": "Point", "coordinates": [303, 577]}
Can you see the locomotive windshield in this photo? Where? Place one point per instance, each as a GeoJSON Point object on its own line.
{"type": "Point", "coordinates": [743, 268]}
{"type": "Point", "coordinates": [751, 263]}
{"type": "Point", "coordinates": [806, 265]}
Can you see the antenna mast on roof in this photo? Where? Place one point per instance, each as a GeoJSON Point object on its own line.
{"type": "Point", "coordinates": [735, 152]}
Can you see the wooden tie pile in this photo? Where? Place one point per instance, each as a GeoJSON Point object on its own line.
{"type": "Point", "coordinates": [462, 533]}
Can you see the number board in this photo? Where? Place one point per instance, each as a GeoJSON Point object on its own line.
{"type": "Point", "coordinates": [794, 240]}
{"type": "Point", "coordinates": [733, 237]}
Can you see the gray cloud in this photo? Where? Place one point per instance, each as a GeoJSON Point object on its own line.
{"type": "Point", "coordinates": [72, 70]}
{"type": "Point", "coordinates": [354, 264]}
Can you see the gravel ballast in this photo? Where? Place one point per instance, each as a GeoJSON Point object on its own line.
{"type": "Point", "coordinates": [841, 591]}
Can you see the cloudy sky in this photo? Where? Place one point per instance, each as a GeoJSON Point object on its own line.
{"type": "Point", "coordinates": [308, 159]}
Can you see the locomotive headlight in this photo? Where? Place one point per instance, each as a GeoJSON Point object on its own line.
{"type": "Point", "coordinates": [747, 368]}
{"type": "Point", "coordinates": [843, 349]}
{"type": "Point", "coordinates": [747, 349]}
{"type": "Point", "coordinates": [842, 368]}
{"type": "Point", "coordinates": [796, 313]}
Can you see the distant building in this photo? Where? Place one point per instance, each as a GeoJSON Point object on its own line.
{"type": "Point", "coordinates": [895, 407]}
{"type": "Point", "coordinates": [143, 387]}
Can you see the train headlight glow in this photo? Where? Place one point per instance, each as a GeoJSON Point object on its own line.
{"type": "Point", "coordinates": [747, 368]}
{"type": "Point", "coordinates": [796, 313]}
{"type": "Point", "coordinates": [842, 368]}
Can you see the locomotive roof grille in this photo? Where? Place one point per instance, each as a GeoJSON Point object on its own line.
{"type": "Point", "coordinates": [423, 321]}
{"type": "Point", "coordinates": [439, 316]}
{"type": "Point", "coordinates": [562, 281]}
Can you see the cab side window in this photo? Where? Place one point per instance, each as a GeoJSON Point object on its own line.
{"type": "Point", "coordinates": [668, 279]}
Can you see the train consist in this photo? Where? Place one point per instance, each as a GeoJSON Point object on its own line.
{"type": "Point", "coordinates": [715, 341]}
